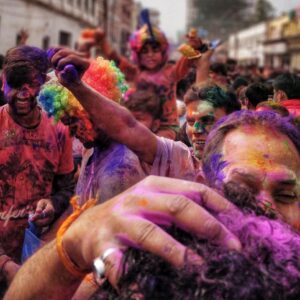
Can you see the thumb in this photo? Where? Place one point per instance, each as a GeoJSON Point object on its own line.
{"type": "Point", "coordinates": [40, 205]}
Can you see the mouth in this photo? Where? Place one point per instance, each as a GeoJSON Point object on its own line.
{"type": "Point", "coordinates": [199, 145]}
{"type": "Point", "coordinates": [199, 142]}
{"type": "Point", "coordinates": [22, 102]}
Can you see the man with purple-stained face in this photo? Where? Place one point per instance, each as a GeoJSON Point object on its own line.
{"type": "Point", "coordinates": [253, 159]}
{"type": "Point", "coordinates": [36, 177]}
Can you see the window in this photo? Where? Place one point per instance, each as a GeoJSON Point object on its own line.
{"type": "Point", "coordinates": [64, 38]}
{"type": "Point", "coordinates": [46, 42]}
{"type": "Point", "coordinates": [93, 7]}
{"type": "Point", "coordinates": [86, 5]}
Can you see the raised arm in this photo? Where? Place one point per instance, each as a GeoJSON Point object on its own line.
{"type": "Point", "coordinates": [203, 65]}
{"type": "Point", "coordinates": [116, 121]}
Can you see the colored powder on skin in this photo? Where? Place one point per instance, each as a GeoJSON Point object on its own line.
{"type": "Point", "coordinates": [286, 143]}
{"type": "Point", "coordinates": [199, 127]}
{"type": "Point", "coordinates": [204, 107]}
{"type": "Point", "coordinates": [142, 202]}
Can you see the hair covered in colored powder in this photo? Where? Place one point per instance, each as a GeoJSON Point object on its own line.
{"type": "Point", "coordinates": [267, 268]}
{"type": "Point", "coordinates": [102, 75]}
{"type": "Point", "coordinates": [141, 36]}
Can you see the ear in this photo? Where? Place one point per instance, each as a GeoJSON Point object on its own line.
{"type": "Point", "coordinates": [280, 96]}
{"type": "Point", "coordinates": [155, 125]}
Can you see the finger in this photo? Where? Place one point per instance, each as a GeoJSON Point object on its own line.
{"type": "Point", "coordinates": [52, 51]}
{"type": "Point", "coordinates": [151, 238]}
{"type": "Point", "coordinates": [144, 234]}
{"type": "Point", "coordinates": [74, 60]}
{"type": "Point", "coordinates": [195, 191]}
{"type": "Point", "coordinates": [178, 209]}
{"type": "Point", "coordinates": [114, 267]}
{"type": "Point", "coordinates": [48, 211]}
{"type": "Point", "coordinates": [43, 222]}
{"type": "Point", "coordinates": [63, 53]}
{"type": "Point", "coordinates": [39, 208]}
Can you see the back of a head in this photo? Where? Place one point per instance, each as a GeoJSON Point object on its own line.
{"type": "Point", "coordinates": [288, 83]}
{"type": "Point", "coordinates": [144, 101]}
{"type": "Point", "coordinates": [256, 93]}
{"type": "Point", "coordinates": [272, 106]}
{"type": "Point", "coordinates": [239, 82]}
{"type": "Point", "coordinates": [213, 94]}
{"type": "Point", "coordinates": [219, 69]}
{"type": "Point", "coordinates": [268, 267]}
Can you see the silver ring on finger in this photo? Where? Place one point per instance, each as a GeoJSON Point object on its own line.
{"type": "Point", "coordinates": [99, 264]}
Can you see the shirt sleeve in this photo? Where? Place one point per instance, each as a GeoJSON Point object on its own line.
{"type": "Point", "coordinates": [173, 159]}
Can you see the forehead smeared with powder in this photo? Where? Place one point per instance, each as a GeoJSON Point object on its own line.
{"type": "Point", "coordinates": [261, 147]}
{"type": "Point", "coordinates": [200, 107]}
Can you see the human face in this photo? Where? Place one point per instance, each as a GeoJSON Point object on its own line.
{"type": "Point", "coordinates": [146, 119]}
{"type": "Point", "coordinates": [151, 57]}
{"type": "Point", "coordinates": [79, 129]}
{"type": "Point", "coordinates": [22, 99]}
{"type": "Point", "coordinates": [200, 117]}
{"type": "Point", "coordinates": [267, 163]}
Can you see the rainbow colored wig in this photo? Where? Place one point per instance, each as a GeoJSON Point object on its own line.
{"type": "Point", "coordinates": [140, 37]}
{"type": "Point", "coordinates": [102, 75]}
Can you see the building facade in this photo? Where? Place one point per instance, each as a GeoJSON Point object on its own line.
{"type": "Point", "coordinates": [59, 22]}
{"type": "Point", "coordinates": [275, 45]}
{"type": "Point", "coordinates": [48, 22]}
{"type": "Point", "coordinates": [247, 46]}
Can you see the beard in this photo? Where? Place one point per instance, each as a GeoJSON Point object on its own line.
{"type": "Point", "coordinates": [19, 109]}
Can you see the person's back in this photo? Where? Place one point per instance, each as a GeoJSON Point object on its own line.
{"type": "Point", "coordinates": [107, 171]}
{"type": "Point", "coordinates": [256, 93]}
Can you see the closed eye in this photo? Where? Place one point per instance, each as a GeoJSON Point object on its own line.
{"type": "Point", "coordinates": [286, 197]}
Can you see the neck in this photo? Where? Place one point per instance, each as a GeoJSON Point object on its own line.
{"type": "Point", "coordinates": [30, 120]}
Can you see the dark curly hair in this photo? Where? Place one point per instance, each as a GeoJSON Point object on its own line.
{"type": "Point", "coordinates": [22, 62]}
{"type": "Point", "coordinates": [268, 267]}
{"type": "Point", "coordinates": [213, 94]}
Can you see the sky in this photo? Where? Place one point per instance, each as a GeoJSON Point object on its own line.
{"type": "Point", "coordinates": [173, 12]}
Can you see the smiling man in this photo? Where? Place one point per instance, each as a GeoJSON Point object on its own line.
{"type": "Point", "coordinates": [253, 159]}
{"type": "Point", "coordinates": [205, 105]}
{"type": "Point", "coordinates": [35, 157]}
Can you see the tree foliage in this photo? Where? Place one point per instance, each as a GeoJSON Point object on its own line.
{"type": "Point", "coordinates": [221, 17]}
{"type": "Point", "coordinates": [264, 10]}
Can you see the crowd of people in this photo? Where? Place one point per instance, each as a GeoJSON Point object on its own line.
{"type": "Point", "coordinates": [183, 185]}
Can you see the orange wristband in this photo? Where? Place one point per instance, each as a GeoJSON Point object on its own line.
{"type": "Point", "coordinates": [64, 257]}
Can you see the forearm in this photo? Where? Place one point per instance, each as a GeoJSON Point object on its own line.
{"type": "Point", "coordinates": [43, 276]}
{"type": "Point", "coordinates": [116, 121]}
{"type": "Point", "coordinates": [63, 190]}
{"type": "Point", "coordinates": [203, 66]}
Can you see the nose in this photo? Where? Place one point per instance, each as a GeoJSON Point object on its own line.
{"type": "Point", "coordinates": [23, 93]}
{"type": "Point", "coordinates": [266, 201]}
{"type": "Point", "coordinates": [199, 128]}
